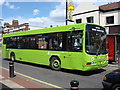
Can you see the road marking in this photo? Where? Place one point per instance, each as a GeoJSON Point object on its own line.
{"type": "Point", "coordinates": [34, 79]}
{"type": "Point", "coordinates": [11, 84]}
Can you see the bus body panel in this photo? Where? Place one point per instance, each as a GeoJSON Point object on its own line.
{"type": "Point", "coordinates": [48, 30]}
{"type": "Point", "coordinates": [97, 61]}
{"type": "Point", "coordinates": [72, 60]}
{"type": "Point", "coordinates": [32, 56]}
{"type": "Point", "coordinates": [4, 51]}
{"type": "Point", "coordinates": [69, 59]}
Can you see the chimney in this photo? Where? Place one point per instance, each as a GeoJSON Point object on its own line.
{"type": "Point", "coordinates": [15, 23]}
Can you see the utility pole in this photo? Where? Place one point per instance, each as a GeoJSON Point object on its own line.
{"type": "Point", "coordinates": [69, 9]}
{"type": "Point", "coordinates": [66, 11]}
{"type": "Point", "coordinates": [1, 24]}
{"type": "Point", "coordinates": [1, 28]}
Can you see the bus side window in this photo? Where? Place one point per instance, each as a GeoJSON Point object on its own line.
{"type": "Point", "coordinates": [27, 44]}
{"type": "Point", "coordinates": [4, 41]}
{"type": "Point", "coordinates": [14, 42]}
{"type": "Point", "coordinates": [77, 41]}
{"type": "Point", "coordinates": [19, 45]}
{"type": "Point", "coordinates": [32, 42]}
{"type": "Point", "coordinates": [74, 41]}
{"type": "Point", "coordinates": [69, 42]}
{"type": "Point", "coordinates": [55, 41]}
{"type": "Point", "coordinates": [42, 41]}
{"type": "Point", "coordinates": [10, 42]}
{"type": "Point", "coordinates": [7, 42]}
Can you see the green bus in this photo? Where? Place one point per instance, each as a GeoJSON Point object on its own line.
{"type": "Point", "coordinates": [76, 47]}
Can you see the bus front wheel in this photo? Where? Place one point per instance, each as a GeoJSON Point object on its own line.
{"type": "Point", "coordinates": [55, 63]}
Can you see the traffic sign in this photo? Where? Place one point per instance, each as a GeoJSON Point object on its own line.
{"type": "Point", "coordinates": [70, 8]}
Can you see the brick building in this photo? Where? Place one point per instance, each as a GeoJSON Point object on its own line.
{"type": "Point", "coordinates": [15, 27]}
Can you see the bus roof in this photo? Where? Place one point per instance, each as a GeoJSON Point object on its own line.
{"type": "Point", "coordinates": [80, 26]}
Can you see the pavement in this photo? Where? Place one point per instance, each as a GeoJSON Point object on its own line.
{"type": "Point", "coordinates": [111, 67]}
{"type": "Point", "coordinates": [20, 82]}
{"type": "Point", "coordinates": [7, 83]}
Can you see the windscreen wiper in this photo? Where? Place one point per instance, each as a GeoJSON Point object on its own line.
{"type": "Point", "coordinates": [102, 39]}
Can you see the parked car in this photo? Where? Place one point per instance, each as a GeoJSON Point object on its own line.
{"type": "Point", "coordinates": [111, 81]}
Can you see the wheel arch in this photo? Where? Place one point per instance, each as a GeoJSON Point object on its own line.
{"type": "Point", "coordinates": [114, 84]}
{"type": "Point", "coordinates": [12, 54]}
{"type": "Point", "coordinates": [56, 57]}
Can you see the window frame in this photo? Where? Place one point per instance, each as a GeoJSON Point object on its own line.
{"type": "Point", "coordinates": [62, 39]}
{"type": "Point", "coordinates": [78, 20]}
{"type": "Point", "coordinates": [110, 20]}
{"type": "Point", "coordinates": [90, 19]}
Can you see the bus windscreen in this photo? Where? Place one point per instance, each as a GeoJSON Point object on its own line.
{"type": "Point", "coordinates": [95, 43]}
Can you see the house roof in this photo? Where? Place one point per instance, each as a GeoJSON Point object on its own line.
{"type": "Point", "coordinates": [82, 9]}
{"type": "Point", "coordinates": [110, 6]}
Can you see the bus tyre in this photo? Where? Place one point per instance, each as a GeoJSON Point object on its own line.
{"type": "Point", "coordinates": [55, 63]}
{"type": "Point", "coordinates": [12, 58]}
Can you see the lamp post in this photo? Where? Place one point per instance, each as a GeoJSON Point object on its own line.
{"type": "Point", "coordinates": [66, 11]}
{"type": "Point", "coordinates": [1, 24]}
{"type": "Point", "coordinates": [1, 27]}
{"type": "Point", "coordinates": [69, 10]}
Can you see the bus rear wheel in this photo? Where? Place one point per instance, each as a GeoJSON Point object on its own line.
{"type": "Point", "coordinates": [55, 63]}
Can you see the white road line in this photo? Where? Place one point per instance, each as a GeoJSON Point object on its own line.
{"type": "Point", "coordinates": [11, 84]}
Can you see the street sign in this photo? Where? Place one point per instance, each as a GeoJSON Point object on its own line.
{"type": "Point", "coordinates": [70, 8]}
{"type": "Point", "coordinates": [70, 13]}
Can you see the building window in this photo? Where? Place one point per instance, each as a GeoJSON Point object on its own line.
{"type": "Point", "coordinates": [78, 20]}
{"type": "Point", "coordinates": [110, 20]}
{"type": "Point", "coordinates": [90, 20]}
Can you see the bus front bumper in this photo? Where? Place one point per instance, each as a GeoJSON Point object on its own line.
{"type": "Point", "coordinates": [94, 66]}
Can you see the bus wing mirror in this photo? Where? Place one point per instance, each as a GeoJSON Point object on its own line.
{"type": "Point", "coordinates": [103, 37]}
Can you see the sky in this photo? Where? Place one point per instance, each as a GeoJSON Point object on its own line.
{"type": "Point", "coordinates": [39, 13]}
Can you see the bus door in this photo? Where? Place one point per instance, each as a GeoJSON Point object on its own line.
{"type": "Point", "coordinates": [74, 47]}
{"type": "Point", "coordinates": [4, 50]}
{"type": "Point", "coordinates": [5, 47]}
{"type": "Point", "coordinates": [7, 53]}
